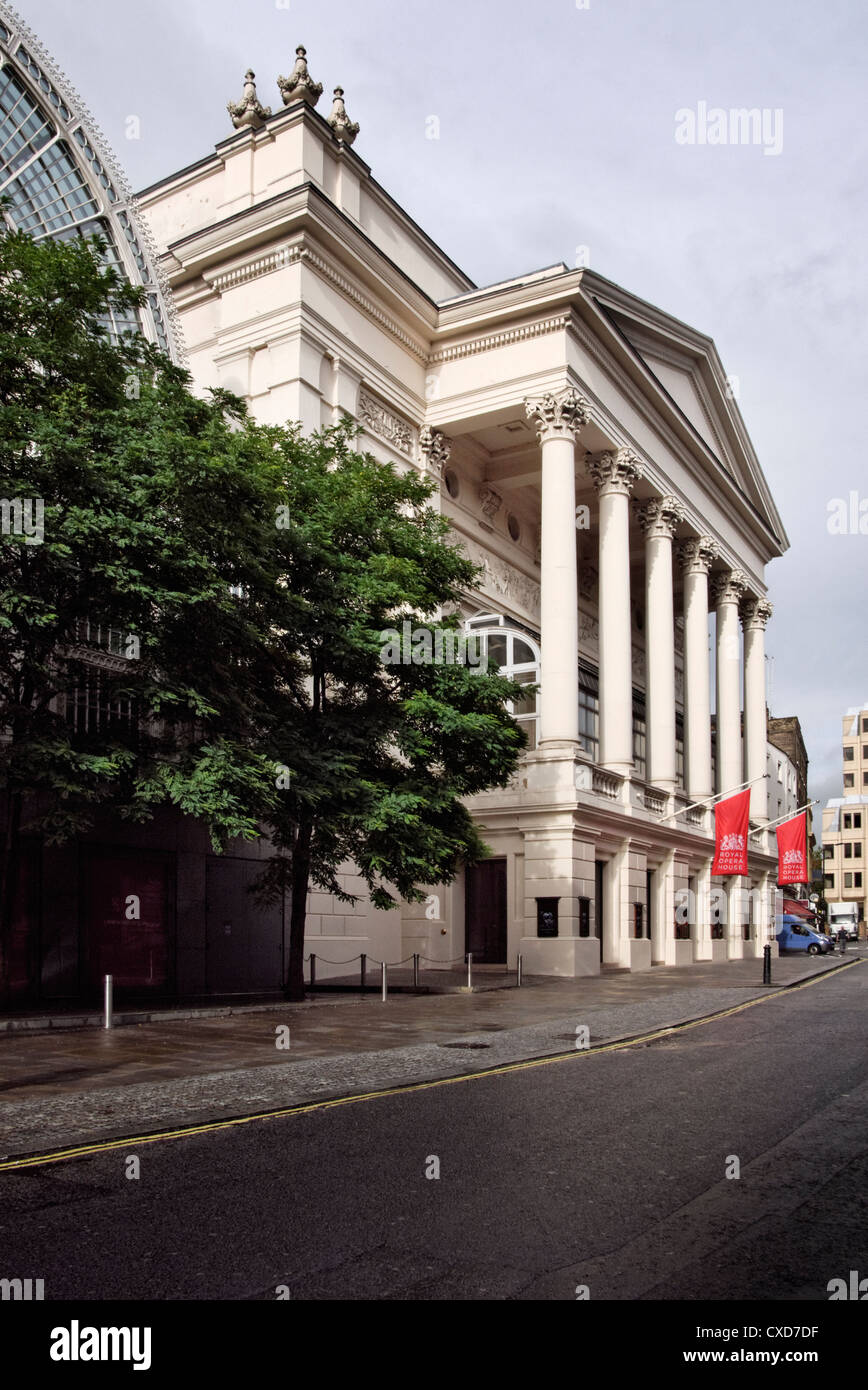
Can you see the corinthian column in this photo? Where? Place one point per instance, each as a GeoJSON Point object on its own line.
{"type": "Point", "coordinates": [727, 589]}
{"type": "Point", "coordinates": [658, 519]}
{"type": "Point", "coordinates": [615, 474]}
{"type": "Point", "coordinates": [755, 613]}
{"type": "Point", "coordinates": [558, 416]}
{"type": "Point", "coordinates": [696, 557]}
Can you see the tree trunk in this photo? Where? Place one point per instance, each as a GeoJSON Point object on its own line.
{"type": "Point", "coordinates": [294, 988]}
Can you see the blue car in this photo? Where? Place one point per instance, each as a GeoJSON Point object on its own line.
{"type": "Point", "coordinates": [793, 935]}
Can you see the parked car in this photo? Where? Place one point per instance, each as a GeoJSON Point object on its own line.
{"type": "Point", "coordinates": [793, 935]}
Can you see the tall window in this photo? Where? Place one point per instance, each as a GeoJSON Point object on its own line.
{"type": "Point", "coordinates": [679, 749]}
{"type": "Point", "coordinates": [518, 659]}
{"type": "Point", "coordinates": [848, 753]}
{"type": "Point", "coordinates": [639, 734]}
{"type": "Point", "coordinates": [589, 711]}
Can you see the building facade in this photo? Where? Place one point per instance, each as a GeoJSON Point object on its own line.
{"type": "Point", "coordinates": [589, 457]}
{"type": "Point", "coordinates": [588, 454]}
{"type": "Point", "coordinates": [845, 819]}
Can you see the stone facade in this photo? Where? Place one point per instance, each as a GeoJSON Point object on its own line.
{"type": "Point", "coordinates": [609, 523]}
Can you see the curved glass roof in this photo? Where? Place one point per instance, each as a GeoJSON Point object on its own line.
{"type": "Point", "coordinates": [63, 181]}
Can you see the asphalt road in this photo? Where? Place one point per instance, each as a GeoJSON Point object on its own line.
{"type": "Point", "coordinates": [604, 1170]}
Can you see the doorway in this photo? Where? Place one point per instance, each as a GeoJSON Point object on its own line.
{"type": "Point", "coordinates": [486, 911]}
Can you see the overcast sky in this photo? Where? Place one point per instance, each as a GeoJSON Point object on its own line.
{"type": "Point", "coordinates": [557, 130]}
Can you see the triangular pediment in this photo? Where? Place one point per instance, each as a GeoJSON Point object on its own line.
{"type": "Point", "coordinates": [685, 365]}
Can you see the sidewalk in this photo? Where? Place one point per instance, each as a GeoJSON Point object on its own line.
{"type": "Point", "coordinates": [67, 1087]}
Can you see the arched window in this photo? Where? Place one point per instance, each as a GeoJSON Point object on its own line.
{"type": "Point", "coordinates": [517, 655]}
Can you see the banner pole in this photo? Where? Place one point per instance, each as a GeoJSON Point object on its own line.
{"type": "Point", "coordinates": [790, 815]}
{"type": "Point", "coordinates": [718, 796]}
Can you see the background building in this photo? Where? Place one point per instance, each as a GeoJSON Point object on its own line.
{"type": "Point", "coordinates": [845, 819]}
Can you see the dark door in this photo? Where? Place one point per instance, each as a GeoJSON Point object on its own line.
{"type": "Point", "coordinates": [486, 912]}
{"type": "Point", "coordinates": [24, 941]}
{"type": "Point", "coordinates": [245, 936]}
{"type": "Point", "coordinates": [127, 908]}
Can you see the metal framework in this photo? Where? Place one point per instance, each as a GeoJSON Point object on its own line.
{"type": "Point", "coordinates": [62, 180]}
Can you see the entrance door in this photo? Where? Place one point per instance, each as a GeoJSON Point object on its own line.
{"type": "Point", "coordinates": [127, 920]}
{"type": "Point", "coordinates": [244, 936]}
{"type": "Point", "coordinates": [486, 912]}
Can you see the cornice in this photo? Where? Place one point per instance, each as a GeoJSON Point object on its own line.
{"type": "Point", "coordinates": [537, 328]}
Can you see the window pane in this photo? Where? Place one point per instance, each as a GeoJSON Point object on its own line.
{"type": "Point", "coordinates": [497, 647]}
{"type": "Point", "coordinates": [522, 654]}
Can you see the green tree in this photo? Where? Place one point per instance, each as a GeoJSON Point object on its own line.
{"type": "Point", "coordinates": [129, 508]}
{"type": "Point", "coordinates": [378, 753]}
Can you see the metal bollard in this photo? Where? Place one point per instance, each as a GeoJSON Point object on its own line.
{"type": "Point", "coordinates": [518, 971]}
{"type": "Point", "coordinates": [469, 969]}
{"type": "Point", "coordinates": [109, 982]}
{"type": "Point", "coordinates": [364, 969]}
{"type": "Point", "coordinates": [767, 965]}
{"type": "Point", "coordinates": [416, 970]}
{"type": "Point", "coordinates": [384, 991]}
{"type": "Point", "coordinates": [313, 971]}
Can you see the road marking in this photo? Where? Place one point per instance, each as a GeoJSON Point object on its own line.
{"type": "Point", "coordinates": [309, 1107]}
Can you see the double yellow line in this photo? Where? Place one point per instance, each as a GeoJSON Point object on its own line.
{"type": "Point", "coordinates": [135, 1141]}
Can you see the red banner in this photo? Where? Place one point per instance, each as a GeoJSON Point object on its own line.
{"type": "Point", "coordinates": [731, 825]}
{"type": "Point", "coordinates": [793, 850]}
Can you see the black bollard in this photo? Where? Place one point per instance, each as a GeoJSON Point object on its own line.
{"type": "Point", "coordinates": [767, 965]}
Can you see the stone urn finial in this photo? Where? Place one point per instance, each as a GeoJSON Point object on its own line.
{"type": "Point", "coordinates": [299, 86]}
{"type": "Point", "coordinates": [248, 111]}
{"type": "Point", "coordinates": [345, 129]}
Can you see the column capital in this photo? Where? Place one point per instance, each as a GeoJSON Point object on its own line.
{"type": "Point", "coordinates": [755, 612]}
{"type": "Point", "coordinates": [697, 554]}
{"type": "Point", "coordinates": [616, 471]}
{"type": "Point", "coordinates": [434, 448]}
{"type": "Point", "coordinates": [728, 586]}
{"type": "Point", "coordinates": [558, 414]}
{"type": "Point", "coordinates": [658, 517]}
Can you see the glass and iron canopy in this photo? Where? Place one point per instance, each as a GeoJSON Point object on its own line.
{"type": "Point", "coordinates": [60, 180]}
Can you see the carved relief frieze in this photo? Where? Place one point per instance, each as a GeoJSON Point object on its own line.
{"type": "Point", "coordinates": [382, 421]}
{"type": "Point", "coordinates": [503, 581]}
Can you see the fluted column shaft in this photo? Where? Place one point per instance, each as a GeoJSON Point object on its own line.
{"type": "Point", "coordinates": [755, 614]}
{"type": "Point", "coordinates": [727, 590]}
{"type": "Point", "coordinates": [559, 416]}
{"type": "Point", "coordinates": [615, 474]}
{"type": "Point", "coordinates": [696, 557]}
{"type": "Point", "coordinates": [658, 519]}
